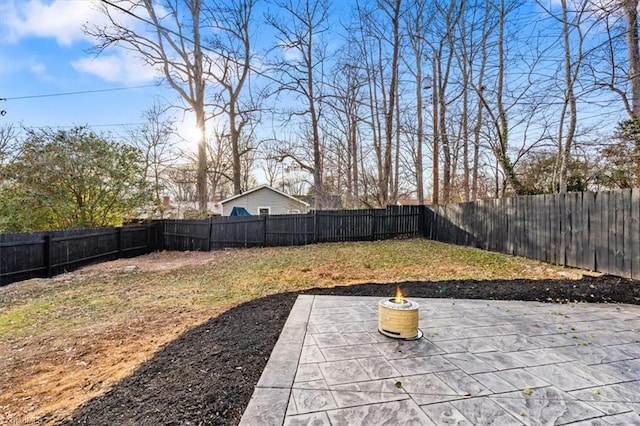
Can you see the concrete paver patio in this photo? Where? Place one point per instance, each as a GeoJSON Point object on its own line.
{"type": "Point", "coordinates": [480, 362]}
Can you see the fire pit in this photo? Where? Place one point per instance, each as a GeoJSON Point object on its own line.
{"type": "Point", "coordinates": [398, 317]}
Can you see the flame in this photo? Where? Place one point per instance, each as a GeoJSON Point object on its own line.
{"type": "Point", "coordinates": [399, 296]}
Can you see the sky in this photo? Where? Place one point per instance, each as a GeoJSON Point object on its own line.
{"type": "Point", "coordinates": [43, 52]}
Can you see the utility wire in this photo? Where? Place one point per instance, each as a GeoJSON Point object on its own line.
{"type": "Point", "coordinates": [48, 95]}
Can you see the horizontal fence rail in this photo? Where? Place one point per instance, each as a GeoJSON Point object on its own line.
{"type": "Point", "coordinates": [595, 231]}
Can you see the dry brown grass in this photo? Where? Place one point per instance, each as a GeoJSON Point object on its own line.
{"type": "Point", "coordinates": [66, 340]}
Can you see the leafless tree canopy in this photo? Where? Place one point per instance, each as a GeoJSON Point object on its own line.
{"type": "Point", "coordinates": [387, 101]}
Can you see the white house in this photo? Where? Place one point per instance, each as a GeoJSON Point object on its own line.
{"type": "Point", "coordinates": [264, 200]}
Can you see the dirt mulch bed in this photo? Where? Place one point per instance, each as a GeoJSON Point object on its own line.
{"type": "Point", "coordinates": [208, 374]}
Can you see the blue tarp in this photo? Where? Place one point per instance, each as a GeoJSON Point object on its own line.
{"type": "Point", "coordinates": [239, 211]}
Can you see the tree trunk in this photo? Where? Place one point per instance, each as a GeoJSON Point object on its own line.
{"type": "Point", "coordinates": [570, 101]}
{"type": "Point", "coordinates": [435, 175]}
{"type": "Point", "coordinates": [420, 131]}
{"type": "Point", "coordinates": [393, 95]}
{"type": "Point", "coordinates": [633, 51]}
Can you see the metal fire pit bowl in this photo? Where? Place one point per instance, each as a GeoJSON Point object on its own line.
{"type": "Point", "coordinates": [399, 320]}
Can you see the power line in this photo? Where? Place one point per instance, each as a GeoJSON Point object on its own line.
{"type": "Point", "coordinates": [48, 95]}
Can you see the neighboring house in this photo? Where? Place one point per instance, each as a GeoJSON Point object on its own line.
{"type": "Point", "coordinates": [264, 200]}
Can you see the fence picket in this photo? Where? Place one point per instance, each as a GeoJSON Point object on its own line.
{"type": "Point", "coordinates": [634, 234]}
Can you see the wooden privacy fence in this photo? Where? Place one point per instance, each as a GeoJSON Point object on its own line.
{"type": "Point", "coordinates": [595, 231]}
{"type": "Point", "coordinates": [45, 254]}
{"type": "Point", "coordinates": [294, 229]}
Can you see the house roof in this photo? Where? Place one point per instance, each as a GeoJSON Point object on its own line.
{"type": "Point", "coordinates": [267, 187]}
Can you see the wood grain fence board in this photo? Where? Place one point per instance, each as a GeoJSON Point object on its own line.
{"type": "Point", "coordinates": [612, 234]}
{"type": "Point", "coordinates": [589, 258]}
{"type": "Point", "coordinates": [627, 249]}
{"type": "Point", "coordinates": [543, 228]}
{"type": "Point", "coordinates": [634, 233]}
{"type": "Point", "coordinates": [504, 240]}
{"type": "Point", "coordinates": [516, 227]}
{"type": "Point", "coordinates": [569, 258]}
{"type": "Point", "coordinates": [510, 226]}
{"type": "Point", "coordinates": [601, 232]}
{"type": "Point", "coordinates": [536, 202]}
{"type": "Point", "coordinates": [456, 224]}
{"type": "Point", "coordinates": [494, 219]}
{"type": "Point", "coordinates": [527, 241]}
{"type": "Point", "coordinates": [580, 236]}
{"type": "Point", "coordinates": [606, 235]}
{"type": "Point", "coordinates": [528, 234]}
{"type": "Point", "coordinates": [532, 228]}
{"type": "Point", "coordinates": [469, 212]}
{"type": "Point", "coordinates": [478, 213]}
{"type": "Point", "coordinates": [619, 225]}
{"type": "Point", "coordinates": [498, 224]}
{"type": "Point", "coordinates": [572, 213]}
{"type": "Point", "coordinates": [485, 224]}
{"type": "Point", "coordinates": [554, 228]}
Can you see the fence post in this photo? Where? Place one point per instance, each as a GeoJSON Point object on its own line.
{"type": "Point", "coordinates": [374, 218]}
{"type": "Point", "coordinates": [161, 228]}
{"type": "Point", "coordinates": [47, 255]}
{"type": "Point", "coordinates": [264, 230]}
{"type": "Point", "coordinates": [146, 239]}
{"type": "Point", "coordinates": [119, 241]}
{"type": "Point", "coordinates": [209, 234]}
{"type": "Point", "coordinates": [315, 227]}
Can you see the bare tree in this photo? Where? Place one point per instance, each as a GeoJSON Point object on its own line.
{"type": "Point", "coordinates": [220, 173]}
{"type": "Point", "coordinates": [171, 41]}
{"type": "Point", "coordinates": [571, 71]}
{"type": "Point", "coordinates": [342, 125]}
{"type": "Point", "coordinates": [155, 140]}
{"type": "Point", "coordinates": [392, 10]}
{"type": "Point", "coordinates": [8, 142]}
{"type": "Point", "coordinates": [299, 32]}
{"type": "Point", "coordinates": [231, 22]}
{"type": "Point", "coordinates": [378, 35]}
{"type": "Point", "coordinates": [507, 93]}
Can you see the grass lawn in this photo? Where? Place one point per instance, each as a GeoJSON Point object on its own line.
{"type": "Point", "coordinates": [68, 339]}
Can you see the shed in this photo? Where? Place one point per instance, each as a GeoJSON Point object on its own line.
{"type": "Point", "coordinates": [264, 200]}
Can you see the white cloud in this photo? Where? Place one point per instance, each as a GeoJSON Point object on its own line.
{"type": "Point", "coordinates": [292, 55]}
{"type": "Point", "coordinates": [38, 68]}
{"type": "Point", "coordinates": [121, 67]}
{"type": "Point", "coordinates": [60, 19]}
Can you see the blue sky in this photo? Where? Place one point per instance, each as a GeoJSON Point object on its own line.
{"type": "Point", "coordinates": [44, 51]}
